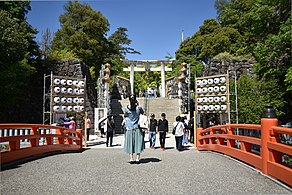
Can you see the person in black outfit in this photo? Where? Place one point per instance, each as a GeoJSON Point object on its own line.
{"type": "Point", "coordinates": [162, 128]}
{"type": "Point", "coordinates": [110, 131]}
{"type": "Point", "coordinates": [152, 130]}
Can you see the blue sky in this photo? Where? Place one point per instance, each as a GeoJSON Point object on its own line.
{"type": "Point", "coordinates": [154, 26]}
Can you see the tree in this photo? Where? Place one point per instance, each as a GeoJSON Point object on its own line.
{"type": "Point", "coordinates": [17, 49]}
{"type": "Point", "coordinates": [45, 44]}
{"type": "Point", "coordinates": [82, 33]}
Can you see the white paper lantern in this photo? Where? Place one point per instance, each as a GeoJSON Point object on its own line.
{"type": "Point", "coordinates": [76, 91]}
{"type": "Point", "coordinates": [222, 80]}
{"type": "Point", "coordinates": [81, 84]}
{"type": "Point", "coordinates": [199, 90]}
{"type": "Point", "coordinates": [81, 91]}
{"type": "Point", "coordinates": [57, 89]}
{"type": "Point", "coordinates": [216, 89]}
{"type": "Point", "coordinates": [63, 90]}
{"type": "Point", "coordinates": [57, 81]}
{"type": "Point", "coordinates": [199, 82]}
{"type": "Point", "coordinates": [56, 108]}
{"type": "Point", "coordinates": [200, 100]}
{"type": "Point", "coordinates": [57, 99]}
{"type": "Point", "coordinates": [75, 100]}
{"type": "Point", "coordinates": [216, 99]}
{"type": "Point", "coordinates": [210, 89]}
{"type": "Point", "coordinates": [69, 82]}
{"type": "Point", "coordinates": [210, 99]}
{"type": "Point", "coordinates": [76, 108]}
{"type": "Point", "coordinates": [81, 108]}
{"type": "Point", "coordinates": [75, 83]}
{"type": "Point", "coordinates": [81, 100]}
{"type": "Point", "coordinates": [223, 88]}
{"type": "Point", "coordinates": [204, 82]}
{"type": "Point", "coordinates": [199, 107]}
{"type": "Point", "coordinates": [63, 82]}
{"type": "Point", "coordinates": [216, 80]}
{"type": "Point", "coordinates": [205, 107]}
{"type": "Point", "coordinates": [63, 100]}
{"type": "Point", "coordinates": [211, 107]}
{"type": "Point", "coordinates": [69, 100]}
{"type": "Point", "coordinates": [223, 107]}
{"type": "Point", "coordinates": [223, 99]}
{"type": "Point", "coordinates": [69, 108]}
{"type": "Point", "coordinates": [210, 81]}
{"type": "Point", "coordinates": [64, 108]}
{"type": "Point", "coordinates": [205, 90]}
{"type": "Point", "coordinates": [217, 107]}
{"type": "Point", "coordinates": [70, 90]}
{"type": "Point", "coordinates": [205, 99]}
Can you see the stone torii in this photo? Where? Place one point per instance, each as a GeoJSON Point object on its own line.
{"type": "Point", "coordinates": [132, 69]}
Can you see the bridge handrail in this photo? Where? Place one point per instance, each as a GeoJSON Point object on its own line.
{"type": "Point", "coordinates": [66, 140]}
{"type": "Point", "coordinates": [223, 139]}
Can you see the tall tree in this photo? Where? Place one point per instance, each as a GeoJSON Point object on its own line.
{"type": "Point", "coordinates": [17, 48]}
{"type": "Point", "coordinates": [82, 32]}
{"type": "Point", "coordinates": [45, 44]}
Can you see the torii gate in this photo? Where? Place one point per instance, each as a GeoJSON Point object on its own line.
{"type": "Point", "coordinates": [132, 69]}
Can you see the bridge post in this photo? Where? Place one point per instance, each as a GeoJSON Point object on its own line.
{"type": "Point", "coordinates": [269, 119]}
{"type": "Point", "coordinates": [79, 135]}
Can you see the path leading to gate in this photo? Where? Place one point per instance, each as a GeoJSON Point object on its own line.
{"type": "Point", "coordinates": [101, 170]}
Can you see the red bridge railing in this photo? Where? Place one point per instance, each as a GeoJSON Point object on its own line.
{"type": "Point", "coordinates": [25, 140]}
{"type": "Point", "coordinates": [269, 161]}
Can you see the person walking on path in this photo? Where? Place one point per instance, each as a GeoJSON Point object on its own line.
{"type": "Point", "coordinates": [87, 127]}
{"type": "Point", "coordinates": [185, 140]}
{"type": "Point", "coordinates": [110, 131]}
{"type": "Point", "coordinates": [179, 132]}
{"type": "Point", "coordinates": [162, 128]}
{"type": "Point", "coordinates": [152, 130]}
{"type": "Point", "coordinates": [134, 141]}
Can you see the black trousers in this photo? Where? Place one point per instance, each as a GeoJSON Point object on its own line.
{"type": "Point", "coordinates": [178, 141]}
{"type": "Point", "coordinates": [87, 133]}
{"type": "Point", "coordinates": [162, 136]}
{"type": "Point", "coordinates": [109, 138]}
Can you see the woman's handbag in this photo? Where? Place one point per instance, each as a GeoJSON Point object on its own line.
{"type": "Point", "coordinates": [173, 130]}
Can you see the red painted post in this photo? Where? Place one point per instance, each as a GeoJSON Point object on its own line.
{"type": "Point", "coordinates": [79, 135]}
{"type": "Point", "coordinates": [267, 122]}
{"type": "Point", "coordinates": [198, 136]}
{"type": "Point", "coordinates": [34, 141]}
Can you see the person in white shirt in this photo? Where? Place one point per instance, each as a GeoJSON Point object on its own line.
{"type": "Point", "coordinates": [179, 132]}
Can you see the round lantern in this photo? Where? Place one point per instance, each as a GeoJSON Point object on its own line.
{"type": "Point", "coordinates": [223, 107]}
{"type": "Point", "coordinates": [200, 100]}
{"type": "Point", "coordinates": [205, 107]}
{"type": "Point", "coordinates": [70, 90]}
{"type": "Point", "coordinates": [217, 107]}
{"type": "Point", "coordinates": [199, 90]}
{"type": "Point", "coordinates": [81, 84]}
{"type": "Point", "coordinates": [63, 82]}
{"type": "Point", "coordinates": [205, 90]}
{"type": "Point", "coordinates": [222, 80]}
{"type": "Point", "coordinates": [210, 99]}
{"type": "Point", "coordinates": [81, 108]}
{"type": "Point", "coordinates": [200, 107]}
{"type": "Point", "coordinates": [63, 100]}
{"type": "Point", "coordinates": [69, 108]}
{"type": "Point", "coordinates": [216, 80]}
{"type": "Point", "coordinates": [205, 99]}
{"type": "Point", "coordinates": [76, 91]}
{"type": "Point", "coordinates": [204, 82]}
{"type": "Point", "coordinates": [69, 82]}
{"type": "Point", "coordinates": [75, 83]}
{"type": "Point", "coordinates": [216, 99]}
{"type": "Point", "coordinates": [223, 99]}
{"type": "Point", "coordinates": [57, 89]}
{"type": "Point", "coordinates": [57, 81]}
{"type": "Point", "coordinates": [210, 81]}
{"type": "Point", "coordinates": [76, 108]}
{"type": "Point", "coordinates": [81, 91]}
{"type": "Point", "coordinates": [69, 100]}
{"type": "Point", "coordinates": [210, 89]}
{"type": "Point", "coordinates": [222, 88]}
{"type": "Point", "coordinates": [64, 108]}
{"type": "Point", "coordinates": [199, 82]}
{"type": "Point", "coordinates": [57, 99]}
{"type": "Point", "coordinates": [56, 108]}
{"type": "Point", "coordinates": [81, 100]}
{"type": "Point", "coordinates": [75, 100]}
{"type": "Point", "coordinates": [63, 90]}
{"type": "Point", "coordinates": [216, 89]}
{"type": "Point", "coordinates": [211, 107]}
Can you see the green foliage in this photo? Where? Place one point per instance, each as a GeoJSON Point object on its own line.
{"type": "Point", "coordinates": [64, 54]}
{"type": "Point", "coordinates": [82, 33]}
{"type": "Point", "coordinates": [17, 48]}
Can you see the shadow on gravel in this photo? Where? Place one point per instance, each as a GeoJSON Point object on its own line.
{"type": "Point", "coordinates": [95, 143]}
{"type": "Point", "coordinates": [149, 160]}
{"type": "Point", "coordinates": [17, 164]}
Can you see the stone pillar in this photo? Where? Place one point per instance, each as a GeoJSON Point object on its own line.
{"type": "Point", "coordinates": [163, 80]}
{"type": "Point", "coordinates": [132, 78]}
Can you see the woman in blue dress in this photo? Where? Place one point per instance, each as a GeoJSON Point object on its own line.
{"type": "Point", "coordinates": [134, 140]}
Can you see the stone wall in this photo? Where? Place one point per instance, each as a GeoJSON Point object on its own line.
{"type": "Point", "coordinates": [215, 67]}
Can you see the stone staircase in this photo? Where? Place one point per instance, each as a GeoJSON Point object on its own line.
{"type": "Point", "coordinates": [154, 105]}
